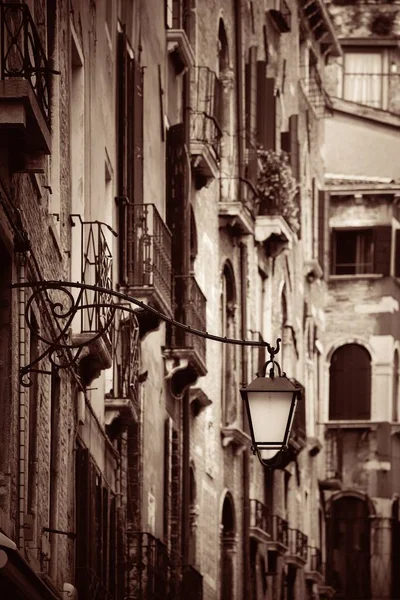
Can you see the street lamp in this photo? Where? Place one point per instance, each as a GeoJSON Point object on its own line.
{"type": "Point", "coordinates": [270, 405]}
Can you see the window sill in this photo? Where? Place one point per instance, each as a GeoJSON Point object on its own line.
{"type": "Point", "coordinates": [355, 276]}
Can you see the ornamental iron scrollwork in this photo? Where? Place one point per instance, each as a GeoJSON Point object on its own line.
{"type": "Point", "coordinates": [22, 54]}
{"type": "Point", "coordinates": [63, 301]}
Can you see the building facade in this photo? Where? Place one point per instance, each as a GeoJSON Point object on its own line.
{"type": "Point", "coordinates": [187, 154]}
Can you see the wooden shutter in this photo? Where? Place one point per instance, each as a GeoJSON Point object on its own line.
{"type": "Point", "coordinates": [122, 60]}
{"type": "Point", "coordinates": [285, 141]}
{"type": "Point", "coordinates": [261, 103]}
{"type": "Point", "coordinates": [321, 228]}
{"type": "Point", "coordinates": [137, 133]}
{"type": "Point", "coordinates": [382, 249]}
{"type": "Point", "coordinates": [270, 101]}
{"type": "Point", "coordinates": [247, 101]}
{"type": "Point", "coordinates": [251, 96]}
{"type": "Point", "coordinates": [397, 254]}
{"type": "Point", "coordinates": [176, 185]}
{"type": "Point", "coordinates": [294, 145]}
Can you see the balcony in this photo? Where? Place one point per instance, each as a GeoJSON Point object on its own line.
{"type": "Point", "coordinates": [192, 583]}
{"type": "Point", "coordinates": [93, 239]}
{"type": "Point", "coordinates": [313, 570]}
{"type": "Point", "coordinates": [24, 86]}
{"type": "Point", "coordinates": [149, 576]}
{"type": "Point", "coordinates": [297, 548]}
{"type": "Point", "coordinates": [282, 17]}
{"type": "Point", "coordinates": [205, 131]}
{"type": "Point", "coordinates": [185, 350]}
{"type": "Point", "coordinates": [259, 519]}
{"type": "Point", "coordinates": [238, 206]}
{"type": "Point", "coordinates": [179, 24]}
{"type": "Point", "coordinates": [278, 529]}
{"type": "Point", "coordinates": [122, 400]}
{"type": "Point", "coordinates": [145, 254]}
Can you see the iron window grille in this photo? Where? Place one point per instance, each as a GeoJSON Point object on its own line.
{"type": "Point", "coordinates": [22, 54]}
{"type": "Point", "coordinates": [259, 514]}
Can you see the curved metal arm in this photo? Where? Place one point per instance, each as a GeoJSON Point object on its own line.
{"type": "Point", "coordinates": [272, 351]}
{"type": "Point", "coordinates": [123, 299]}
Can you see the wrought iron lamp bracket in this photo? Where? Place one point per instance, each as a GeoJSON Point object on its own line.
{"type": "Point", "coordinates": [63, 352]}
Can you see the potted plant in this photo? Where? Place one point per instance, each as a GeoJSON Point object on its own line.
{"type": "Point", "coordinates": [276, 186]}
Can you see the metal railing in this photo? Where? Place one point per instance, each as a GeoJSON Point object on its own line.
{"type": "Point", "coordinates": [145, 249]}
{"type": "Point", "coordinates": [192, 583]}
{"type": "Point", "coordinates": [259, 515]}
{"type": "Point", "coordinates": [92, 587]}
{"type": "Point", "coordinates": [149, 575]}
{"type": "Point", "coordinates": [125, 342]}
{"type": "Point", "coordinates": [22, 54]}
{"type": "Point", "coordinates": [191, 310]}
{"type": "Point", "coordinates": [206, 99]}
{"type": "Point", "coordinates": [279, 530]}
{"type": "Point", "coordinates": [314, 559]}
{"type": "Point", "coordinates": [298, 543]}
{"type": "Point", "coordinates": [96, 269]}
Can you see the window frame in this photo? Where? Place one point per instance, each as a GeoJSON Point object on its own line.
{"type": "Point", "coordinates": [384, 73]}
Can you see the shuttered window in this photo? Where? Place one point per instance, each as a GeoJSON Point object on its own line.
{"type": "Point", "coordinates": [350, 383]}
{"type": "Point", "coordinates": [397, 254]}
{"type": "Point", "coordinates": [362, 251]}
{"type": "Point", "coordinates": [130, 149]}
{"type": "Point", "coordinates": [261, 103]}
{"type": "Point", "coordinates": [251, 97]}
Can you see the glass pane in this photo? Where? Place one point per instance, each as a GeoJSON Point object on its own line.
{"type": "Point", "coordinates": [269, 414]}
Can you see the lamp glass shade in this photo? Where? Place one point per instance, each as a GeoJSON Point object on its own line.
{"type": "Point", "coordinates": [270, 414]}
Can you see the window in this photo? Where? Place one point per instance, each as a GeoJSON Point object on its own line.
{"type": "Point", "coordinates": [350, 383]}
{"type": "Point", "coordinates": [395, 400]}
{"type": "Point", "coordinates": [365, 77]}
{"type": "Point", "coordinates": [361, 251]}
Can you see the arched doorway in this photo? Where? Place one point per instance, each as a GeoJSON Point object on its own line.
{"type": "Point", "coordinates": [348, 548]}
{"type": "Point", "coordinates": [228, 549]}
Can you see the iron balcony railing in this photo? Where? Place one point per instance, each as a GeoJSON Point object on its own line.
{"type": "Point", "coordinates": [125, 351]}
{"type": "Point", "coordinates": [150, 572]}
{"type": "Point", "coordinates": [96, 269]}
{"type": "Point", "coordinates": [259, 515]}
{"type": "Point", "coordinates": [314, 559]}
{"type": "Point", "coordinates": [279, 530]}
{"type": "Point", "coordinates": [191, 310]}
{"type": "Point", "coordinates": [22, 53]}
{"type": "Point", "coordinates": [145, 249]}
{"type": "Point", "coordinates": [298, 543]}
{"type": "Point", "coordinates": [206, 101]}
{"type": "Point", "coordinates": [92, 587]}
{"type": "Point", "coordinates": [192, 583]}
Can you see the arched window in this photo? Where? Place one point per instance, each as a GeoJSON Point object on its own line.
{"type": "Point", "coordinates": [221, 100]}
{"type": "Point", "coordinates": [228, 549]}
{"type": "Point", "coordinates": [395, 400]}
{"type": "Point", "coordinates": [228, 329]}
{"type": "Point", "coordinates": [350, 383]}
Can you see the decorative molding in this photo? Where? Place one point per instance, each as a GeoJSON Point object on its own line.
{"type": "Point", "coordinates": [235, 436]}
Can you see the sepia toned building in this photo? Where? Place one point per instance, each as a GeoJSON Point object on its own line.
{"type": "Point", "coordinates": [215, 162]}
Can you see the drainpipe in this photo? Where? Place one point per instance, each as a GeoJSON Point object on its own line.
{"type": "Point", "coordinates": [21, 262]}
{"type": "Point", "coordinates": [246, 466]}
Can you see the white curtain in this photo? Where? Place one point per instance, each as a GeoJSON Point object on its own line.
{"type": "Point", "coordinates": [363, 78]}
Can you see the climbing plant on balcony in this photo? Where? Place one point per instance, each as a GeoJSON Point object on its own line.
{"type": "Point", "coordinates": [276, 186]}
